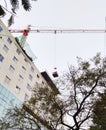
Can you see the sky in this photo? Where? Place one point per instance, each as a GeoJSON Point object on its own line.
{"type": "Point", "coordinates": [61, 50]}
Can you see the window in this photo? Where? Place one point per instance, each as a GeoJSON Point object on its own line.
{"type": "Point", "coordinates": [32, 69]}
{"type": "Point", "coordinates": [37, 76]}
{"type": "Point", "coordinates": [9, 40]}
{"type": "Point", "coordinates": [1, 29]}
{"type": "Point", "coordinates": [5, 48]}
{"type": "Point", "coordinates": [25, 60]}
{"type": "Point", "coordinates": [18, 51]}
{"type": "Point", "coordinates": [20, 78]}
{"type": "Point", "coordinates": [23, 69]}
{"type": "Point", "coordinates": [30, 77]}
{"type": "Point", "coordinates": [7, 79]}
{"type": "Point", "coordinates": [15, 59]}
{"type": "Point", "coordinates": [17, 89]}
{"type": "Point", "coordinates": [26, 97]}
{"type": "Point", "coordinates": [42, 82]}
{"type": "Point", "coordinates": [38, 84]}
{"type": "Point", "coordinates": [1, 58]}
{"type": "Point", "coordinates": [28, 87]}
{"type": "Point", "coordinates": [11, 68]}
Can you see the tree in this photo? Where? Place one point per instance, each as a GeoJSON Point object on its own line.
{"type": "Point", "coordinates": [83, 84]}
{"type": "Point", "coordinates": [99, 113]}
{"type": "Point", "coordinates": [18, 119]}
{"type": "Point", "coordinates": [14, 6]}
{"type": "Point", "coordinates": [72, 108]}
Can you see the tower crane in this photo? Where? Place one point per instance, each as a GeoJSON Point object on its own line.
{"type": "Point", "coordinates": [26, 31]}
{"type": "Point", "coordinates": [55, 31]}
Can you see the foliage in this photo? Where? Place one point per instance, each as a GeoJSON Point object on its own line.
{"type": "Point", "coordinates": [18, 119]}
{"type": "Point", "coordinates": [80, 87]}
{"type": "Point", "coordinates": [99, 113]}
{"type": "Point", "coordinates": [26, 4]}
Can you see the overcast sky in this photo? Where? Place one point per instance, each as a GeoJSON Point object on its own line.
{"type": "Point", "coordinates": [61, 50]}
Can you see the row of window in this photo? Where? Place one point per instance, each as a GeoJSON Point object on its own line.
{"type": "Point", "coordinates": [12, 69]}
{"type": "Point", "coordinates": [5, 48]}
{"type": "Point", "coordinates": [18, 89]}
{"type": "Point", "coordinates": [8, 80]}
{"type": "Point", "coordinates": [24, 69]}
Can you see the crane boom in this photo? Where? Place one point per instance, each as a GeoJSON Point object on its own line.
{"type": "Point", "coordinates": [58, 31]}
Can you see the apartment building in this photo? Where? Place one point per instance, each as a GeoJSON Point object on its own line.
{"type": "Point", "coordinates": [18, 73]}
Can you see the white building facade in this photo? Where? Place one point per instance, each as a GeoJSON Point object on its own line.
{"type": "Point", "coordinates": [18, 73]}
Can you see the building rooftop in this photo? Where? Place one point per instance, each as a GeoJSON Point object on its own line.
{"type": "Point", "coordinates": [50, 82]}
